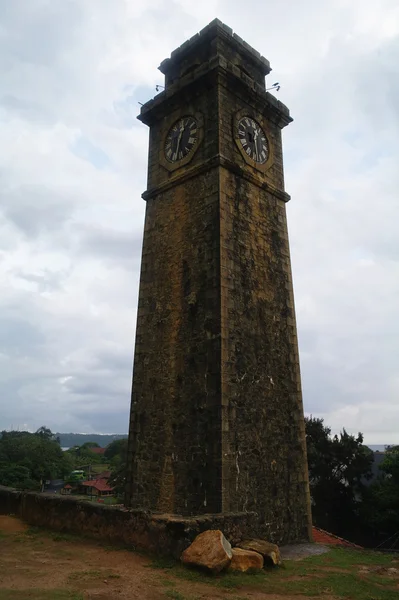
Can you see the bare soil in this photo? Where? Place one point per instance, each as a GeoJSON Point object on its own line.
{"type": "Point", "coordinates": [50, 561]}
{"type": "Point", "coordinates": [43, 565]}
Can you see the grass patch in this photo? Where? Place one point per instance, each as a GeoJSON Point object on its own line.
{"type": "Point", "coordinates": [64, 537]}
{"type": "Point", "coordinates": [167, 582]}
{"type": "Point", "coordinates": [162, 562]}
{"type": "Point", "coordinates": [99, 468]}
{"type": "Point", "coordinates": [39, 533]}
{"type": "Point", "coordinates": [175, 595]}
{"type": "Point", "coordinates": [336, 573]}
{"type": "Point", "coordinates": [347, 558]}
{"type": "Point", "coordinates": [37, 594]}
{"type": "Point", "coordinates": [92, 574]}
{"type": "Point", "coordinates": [26, 538]}
{"type": "Point", "coordinates": [339, 585]}
{"type": "Point", "coordinates": [33, 531]}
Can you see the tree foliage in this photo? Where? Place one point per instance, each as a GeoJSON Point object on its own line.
{"type": "Point", "coordinates": [46, 433]}
{"type": "Point", "coordinates": [337, 466]}
{"type": "Point", "coordinates": [390, 464]}
{"type": "Point", "coordinates": [116, 448]}
{"type": "Point", "coordinates": [82, 456]}
{"type": "Point", "coordinates": [116, 452]}
{"type": "Point", "coordinates": [381, 506]}
{"type": "Point", "coordinates": [16, 476]}
{"type": "Point", "coordinates": [90, 445]}
{"type": "Point", "coordinates": [27, 459]}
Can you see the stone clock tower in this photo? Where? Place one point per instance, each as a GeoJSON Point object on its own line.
{"type": "Point", "coordinates": [216, 418]}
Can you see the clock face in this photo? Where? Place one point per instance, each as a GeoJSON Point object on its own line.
{"type": "Point", "coordinates": [253, 139]}
{"type": "Point", "coordinates": [181, 139]}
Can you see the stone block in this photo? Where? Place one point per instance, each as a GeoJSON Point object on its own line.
{"type": "Point", "coordinates": [245, 560]}
{"type": "Point", "coordinates": [270, 552]}
{"type": "Point", "coordinates": [209, 550]}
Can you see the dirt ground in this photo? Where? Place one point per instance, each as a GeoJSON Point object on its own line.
{"type": "Point", "coordinates": [45, 561]}
{"type": "Point", "coordinates": [43, 565]}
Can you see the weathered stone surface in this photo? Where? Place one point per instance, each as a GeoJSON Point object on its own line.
{"type": "Point", "coordinates": [210, 550]}
{"type": "Point", "coordinates": [269, 551]}
{"type": "Point", "coordinates": [161, 534]}
{"type": "Point", "coordinates": [245, 560]}
{"type": "Point", "coordinates": [216, 319]}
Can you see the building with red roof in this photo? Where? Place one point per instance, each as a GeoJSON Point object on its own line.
{"type": "Point", "coordinates": [98, 450]}
{"type": "Point", "coordinates": [96, 487]}
{"type": "Point", "coordinates": [323, 537]}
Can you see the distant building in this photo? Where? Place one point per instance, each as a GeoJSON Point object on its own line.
{"type": "Point", "coordinates": [96, 487]}
{"type": "Point", "coordinates": [98, 450]}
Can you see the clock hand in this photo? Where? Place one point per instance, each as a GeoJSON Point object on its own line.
{"type": "Point", "coordinates": [256, 133]}
{"type": "Point", "coordinates": [179, 138]}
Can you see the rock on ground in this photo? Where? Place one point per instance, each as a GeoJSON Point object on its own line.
{"type": "Point", "coordinates": [210, 550]}
{"type": "Point", "coordinates": [245, 560]}
{"type": "Point", "coordinates": [270, 552]}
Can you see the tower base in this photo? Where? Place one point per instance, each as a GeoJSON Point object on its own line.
{"type": "Point", "coordinates": [170, 535]}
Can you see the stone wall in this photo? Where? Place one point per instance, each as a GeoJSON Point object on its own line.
{"type": "Point", "coordinates": [264, 449]}
{"type": "Point", "coordinates": [174, 444]}
{"type": "Point", "coordinates": [164, 535]}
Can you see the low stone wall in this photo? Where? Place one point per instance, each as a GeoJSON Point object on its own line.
{"type": "Point", "coordinates": [161, 534]}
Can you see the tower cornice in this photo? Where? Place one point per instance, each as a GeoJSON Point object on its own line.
{"type": "Point", "coordinates": [213, 163]}
{"type": "Point", "coordinates": [192, 82]}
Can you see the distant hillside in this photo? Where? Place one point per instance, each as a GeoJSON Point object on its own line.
{"type": "Point", "coordinates": [67, 440]}
{"type": "Point", "coordinates": [377, 447]}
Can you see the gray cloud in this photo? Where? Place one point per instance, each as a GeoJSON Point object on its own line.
{"type": "Point", "coordinates": [39, 36]}
{"type": "Point", "coordinates": [112, 245]}
{"type": "Point", "coordinates": [35, 209]}
{"type": "Point", "coordinates": [73, 166]}
{"type": "Point", "coordinates": [18, 336]}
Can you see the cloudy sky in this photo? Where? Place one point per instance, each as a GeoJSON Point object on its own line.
{"type": "Point", "coordinates": [73, 167]}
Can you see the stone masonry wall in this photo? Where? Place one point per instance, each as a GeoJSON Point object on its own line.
{"type": "Point", "coordinates": [174, 454]}
{"type": "Point", "coordinates": [164, 535]}
{"type": "Point", "coordinates": [175, 442]}
{"type": "Point", "coordinates": [263, 435]}
{"type": "Point", "coordinates": [264, 447]}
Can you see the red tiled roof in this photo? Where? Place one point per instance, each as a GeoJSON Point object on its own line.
{"type": "Point", "coordinates": [99, 484]}
{"type": "Point", "coordinates": [67, 487]}
{"type": "Point", "coordinates": [98, 450]}
{"type": "Point", "coordinates": [323, 537]}
{"type": "Point", "coordinates": [104, 475]}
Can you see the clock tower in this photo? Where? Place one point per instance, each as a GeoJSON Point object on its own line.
{"type": "Point", "coordinates": [217, 421]}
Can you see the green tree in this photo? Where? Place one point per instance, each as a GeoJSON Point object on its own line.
{"type": "Point", "coordinates": [337, 466]}
{"type": "Point", "coordinates": [31, 457]}
{"type": "Point", "coordinates": [90, 445]}
{"type": "Point", "coordinates": [116, 452]}
{"type": "Point", "coordinates": [16, 476]}
{"type": "Point", "coordinates": [116, 448]}
{"type": "Point", "coordinates": [83, 455]}
{"type": "Point", "coordinates": [381, 506]}
{"type": "Point", "coordinates": [46, 433]}
{"type": "Point", "coordinates": [390, 464]}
